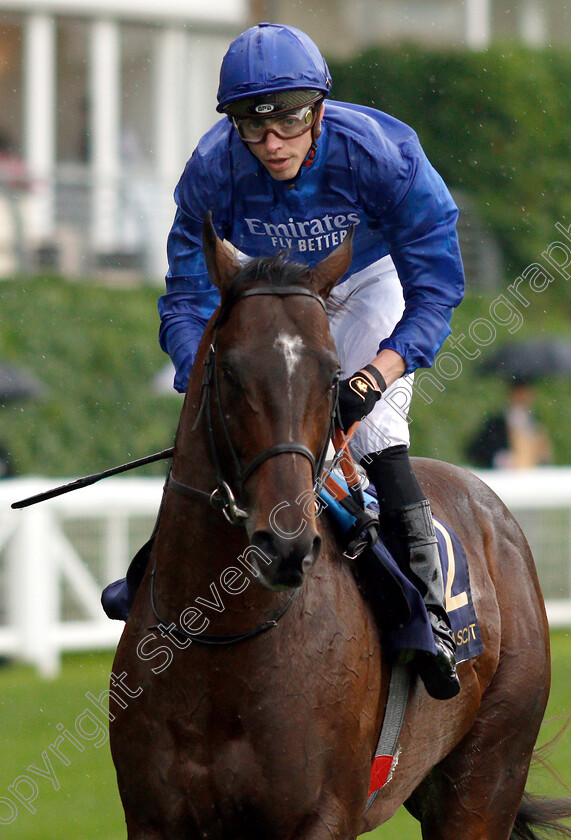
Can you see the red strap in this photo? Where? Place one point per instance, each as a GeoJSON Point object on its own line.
{"type": "Point", "coordinates": [380, 772]}
{"type": "Point", "coordinates": [309, 160]}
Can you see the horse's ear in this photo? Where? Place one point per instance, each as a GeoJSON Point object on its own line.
{"type": "Point", "coordinates": [327, 273]}
{"type": "Point", "coordinates": [221, 263]}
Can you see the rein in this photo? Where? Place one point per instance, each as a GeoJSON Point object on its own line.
{"type": "Point", "coordinates": [214, 639]}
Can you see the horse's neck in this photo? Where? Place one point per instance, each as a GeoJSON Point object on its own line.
{"type": "Point", "coordinates": [192, 462]}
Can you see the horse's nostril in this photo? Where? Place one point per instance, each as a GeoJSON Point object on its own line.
{"type": "Point", "coordinates": [263, 542]}
{"type": "Point", "coordinates": [312, 555]}
{"type": "Point", "coordinates": [307, 563]}
{"type": "Point", "coordinates": [284, 563]}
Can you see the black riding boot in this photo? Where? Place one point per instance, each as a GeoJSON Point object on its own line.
{"type": "Point", "coordinates": [408, 531]}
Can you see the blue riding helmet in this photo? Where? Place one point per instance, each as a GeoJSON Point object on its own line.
{"type": "Point", "coordinates": [270, 58]}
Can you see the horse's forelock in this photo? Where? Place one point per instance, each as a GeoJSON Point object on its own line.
{"type": "Point", "coordinates": [275, 272]}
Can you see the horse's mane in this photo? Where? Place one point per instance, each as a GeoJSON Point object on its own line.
{"type": "Point", "coordinates": [275, 271]}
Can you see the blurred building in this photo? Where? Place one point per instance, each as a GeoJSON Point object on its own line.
{"type": "Point", "coordinates": [343, 27]}
{"type": "Point", "coordinates": [104, 100]}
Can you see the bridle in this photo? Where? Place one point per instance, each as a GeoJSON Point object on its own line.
{"type": "Point", "coordinates": [223, 497]}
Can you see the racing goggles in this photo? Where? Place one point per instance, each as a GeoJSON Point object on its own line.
{"type": "Point", "coordinates": [286, 127]}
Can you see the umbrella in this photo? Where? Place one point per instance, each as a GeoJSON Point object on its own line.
{"type": "Point", "coordinates": [528, 361]}
{"type": "Point", "coordinates": [16, 384]}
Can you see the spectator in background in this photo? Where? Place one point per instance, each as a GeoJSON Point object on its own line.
{"type": "Point", "coordinates": [512, 439]}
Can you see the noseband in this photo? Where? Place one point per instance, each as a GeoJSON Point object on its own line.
{"type": "Point", "coordinates": [222, 497]}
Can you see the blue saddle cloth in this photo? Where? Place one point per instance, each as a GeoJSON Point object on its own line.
{"type": "Point", "coordinates": [416, 633]}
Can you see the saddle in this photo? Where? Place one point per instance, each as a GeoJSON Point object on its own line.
{"type": "Point", "coordinates": [396, 603]}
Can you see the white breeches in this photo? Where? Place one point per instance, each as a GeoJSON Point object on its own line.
{"type": "Point", "coordinates": [362, 312]}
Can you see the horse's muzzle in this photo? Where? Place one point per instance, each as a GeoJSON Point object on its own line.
{"type": "Point", "coordinates": [285, 561]}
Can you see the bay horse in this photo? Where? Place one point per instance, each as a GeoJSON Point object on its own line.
{"type": "Point", "coordinates": [253, 677]}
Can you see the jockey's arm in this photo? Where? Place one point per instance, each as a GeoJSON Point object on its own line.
{"type": "Point", "coordinates": [390, 365]}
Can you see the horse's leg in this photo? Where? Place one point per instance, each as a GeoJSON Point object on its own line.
{"type": "Point", "coordinates": [475, 792]}
{"type": "Point", "coordinates": [138, 828]}
{"type": "Point", "coordinates": [136, 832]}
{"type": "Point", "coordinates": [471, 798]}
{"type": "Point", "coordinates": [324, 824]}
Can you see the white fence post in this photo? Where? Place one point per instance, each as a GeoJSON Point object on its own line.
{"type": "Point", "coordinates": [34, 591]}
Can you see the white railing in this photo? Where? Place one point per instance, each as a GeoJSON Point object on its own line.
{"type": "Point", "coordinates": [540, 499]}
{"type": "Point", "coordinates": [55, 557]}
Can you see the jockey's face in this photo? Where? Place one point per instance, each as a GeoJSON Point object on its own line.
{"type": "Point", "coordinates": [283, 158]}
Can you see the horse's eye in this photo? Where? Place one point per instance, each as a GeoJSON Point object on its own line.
{"type": "Point", "coordinates": [335, 379]}
{"type": "Point", "coordinates": [229, 376]}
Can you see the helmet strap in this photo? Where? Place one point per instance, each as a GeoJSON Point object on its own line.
{"type": "Point", "coordinates": [315, 135]}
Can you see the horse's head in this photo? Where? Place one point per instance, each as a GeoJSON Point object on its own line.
{"type": "Point", "coordinates": [273, 386]}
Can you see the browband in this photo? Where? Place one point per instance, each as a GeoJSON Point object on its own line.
{"type": "Point", "coordinates": [282, 291]}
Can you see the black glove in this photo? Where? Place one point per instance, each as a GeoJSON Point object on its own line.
{"type": "Point", "coordinates": [357, 397]}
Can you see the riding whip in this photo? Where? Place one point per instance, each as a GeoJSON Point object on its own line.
{"type": "Point", "coordinates": [91, 479]}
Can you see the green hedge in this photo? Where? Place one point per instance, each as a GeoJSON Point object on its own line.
{"type": "Point", "coordinates": [496, 124]}
{"type": "Point", "coordinates": [95, 350]}
{"type": "Point", "coordinates": [442, 428]}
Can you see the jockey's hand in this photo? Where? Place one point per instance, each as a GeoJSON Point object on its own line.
{"type": "Point", "coordinates": [358, 397]}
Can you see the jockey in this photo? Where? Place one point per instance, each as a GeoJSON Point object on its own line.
{"type": "Point", "coordinates": [285, 171]}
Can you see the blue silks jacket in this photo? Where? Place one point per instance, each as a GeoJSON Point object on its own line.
{"type": "Point", "coordinates": [369, 171]}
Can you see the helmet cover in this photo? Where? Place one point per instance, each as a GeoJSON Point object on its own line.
{"type": "Point", "coordinates": [266, 60]}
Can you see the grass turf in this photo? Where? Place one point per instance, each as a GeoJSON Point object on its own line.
{"type": "Point", "coordinates": [80, 801]}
